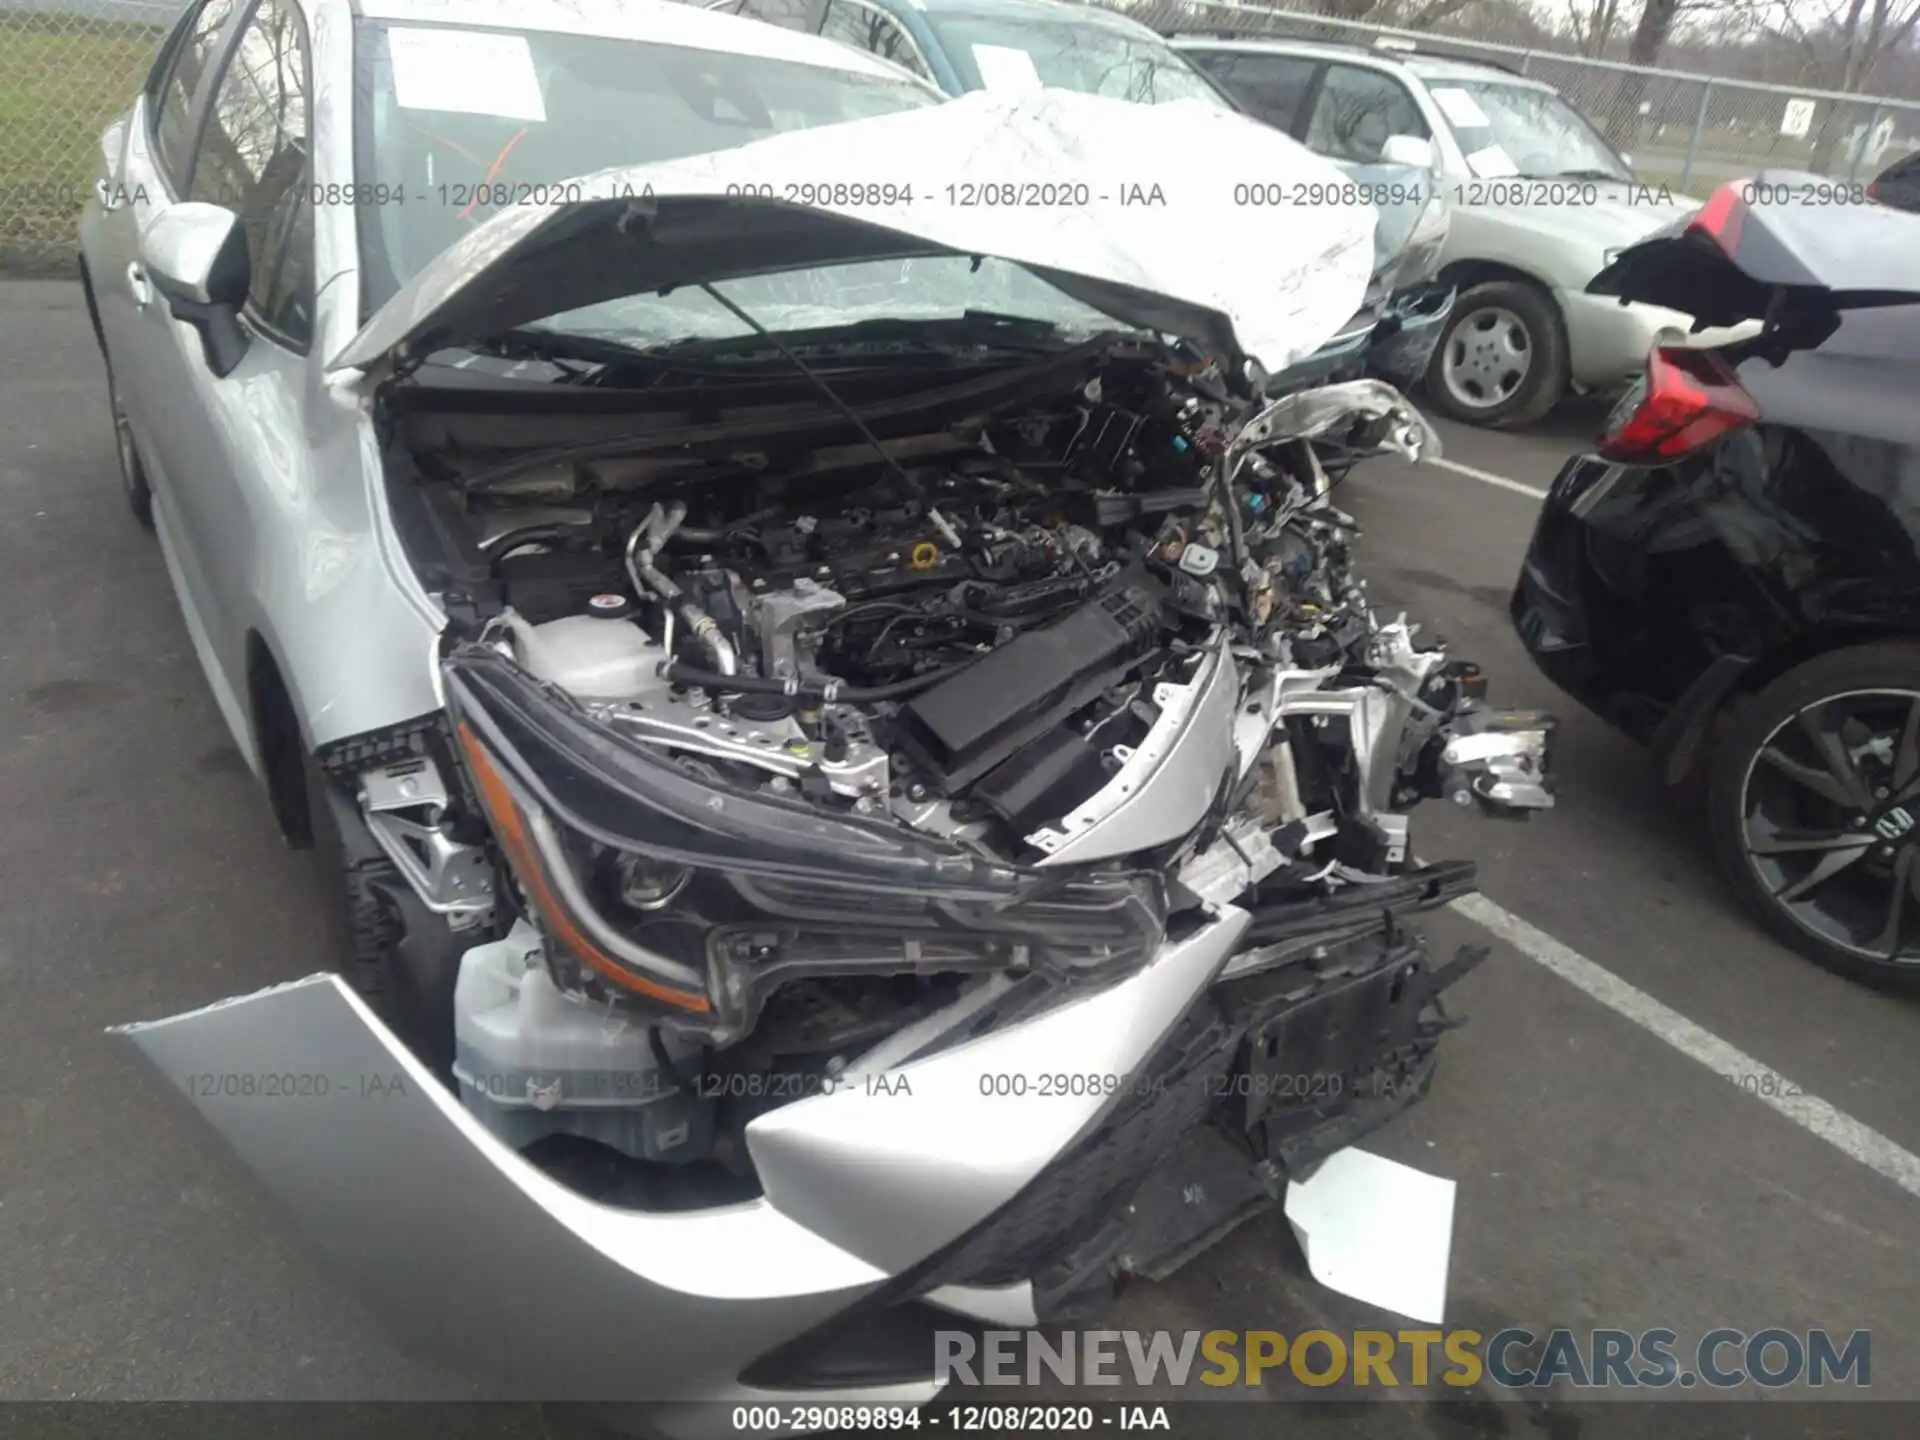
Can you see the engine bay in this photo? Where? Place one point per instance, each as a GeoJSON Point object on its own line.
{"type": "Point", "coordinates": [1073, 633]}
{"type": "Point", "coordinates": [975, 619]}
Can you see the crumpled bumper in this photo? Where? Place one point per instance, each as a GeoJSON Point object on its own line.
{"type": "Point", "coordinates": [1394, 342]}
{"type": "Point", "coordinates": [995, 1184]}
{"type": "Point", "coordinates": [1410, 329]}
{"type": "Point", "coordinates": [1547, 608]}
{"type": "Point", "coordinates": [466, 1248]}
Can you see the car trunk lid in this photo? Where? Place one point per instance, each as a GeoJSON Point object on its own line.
{"type": "Point", "coordinates": [1757, 250]}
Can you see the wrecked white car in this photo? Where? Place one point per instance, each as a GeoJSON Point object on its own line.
{"type": "Point", "coordinates": [861, 769]}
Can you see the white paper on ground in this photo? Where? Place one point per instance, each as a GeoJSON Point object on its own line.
{"type": "Point", "coordinates": [1378, 1231]}
{"type": "Point", "coordinates": [1006, 69]}
{"type": "Point", "coordinates": [1491, 163]}
{"type": "Point", "coordinates": [1459, 107]}
{"type": "Point", "coordinates": [469, 72]}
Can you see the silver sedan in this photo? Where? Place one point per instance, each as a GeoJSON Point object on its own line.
{"type": "Point", "coordinates": [793, 654]}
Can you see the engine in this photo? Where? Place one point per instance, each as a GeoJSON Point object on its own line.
{"type": "Point", "coordinates": [979, 630]}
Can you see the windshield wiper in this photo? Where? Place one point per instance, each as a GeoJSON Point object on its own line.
{"type": "Point", "coordinates": [971, 330]}
{"type": "Point", "coordinates": [1611, 175]}
{"type": "Point", "coordinates": [530, 342]}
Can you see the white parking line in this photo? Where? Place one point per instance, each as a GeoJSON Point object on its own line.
{"type": "Point", "coordinates": [1809, 1112]}
{"type": "Point", "coordinates": [1487, 477]}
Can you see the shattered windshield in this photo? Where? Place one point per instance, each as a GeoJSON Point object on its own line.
{"type": "Point", "coordinates": [939, 287]}
{"type": "Point", "coordinates": [450, 152]}
{"type": "Point", "coordinates": [456, 124]}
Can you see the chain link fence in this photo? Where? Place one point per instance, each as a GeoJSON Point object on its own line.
{"type": "Point", "coordinates": [66, 66]}
{"type": "Point", "coordinates": [1682, 130]}
{"type": "Point", "coordinates": [65, 70]}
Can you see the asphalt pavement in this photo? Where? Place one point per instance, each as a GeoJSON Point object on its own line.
{"type": "Point", "coordinates": [1607, 1176]}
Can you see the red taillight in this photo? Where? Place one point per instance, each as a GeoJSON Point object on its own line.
{"type": "Point", "coordinates": [1720, 218]}
{"type": "Point", "coordinates": [1692, 399]}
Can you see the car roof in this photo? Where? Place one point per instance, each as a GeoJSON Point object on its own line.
{"type": "Point", "coordinates": [1079, 14]}
{"type": "Point", "coordinates": [660, 22]}
{"type": "Point", "coordinates": [1426, 67]}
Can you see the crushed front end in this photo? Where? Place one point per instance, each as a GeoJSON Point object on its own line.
{"type": "Point", "coordinates": [884, 875]}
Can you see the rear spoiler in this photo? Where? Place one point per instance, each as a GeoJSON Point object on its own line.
{"type": "Point", "coordinates": [1770, 248]}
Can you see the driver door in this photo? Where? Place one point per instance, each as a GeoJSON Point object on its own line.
{"type": "Point", "coordinates": [227, 446]}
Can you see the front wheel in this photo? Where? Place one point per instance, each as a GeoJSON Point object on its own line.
{"type": "Point", "coordinates": [1503, 358]}
{"type": "Point", "coordinates": [1814, 809]}
{"type": "Point", "coordinates": [133, 475]}
{"type": "Point", "coordinates": [402, 960]}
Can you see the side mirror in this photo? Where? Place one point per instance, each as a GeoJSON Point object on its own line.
{"type": "Point", "coordinates": [1407, 150]}
{"type": "Point", "coordinates": [195, 254]}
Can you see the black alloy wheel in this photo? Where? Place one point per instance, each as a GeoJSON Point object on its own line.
{"type": "Point", "coordinates": [1815, 809]}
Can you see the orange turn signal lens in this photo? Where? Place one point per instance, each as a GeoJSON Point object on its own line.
{"type": "Point", "coordinates": [510, 827]}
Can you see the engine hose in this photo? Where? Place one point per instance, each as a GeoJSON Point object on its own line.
{"type": "Point", "coordinates": [659, 527]}
{"type": "Point", "coordinates": [825, 691]}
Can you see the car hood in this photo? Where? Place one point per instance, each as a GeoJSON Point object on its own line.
{"type": "Point", "coordinates": [1155, 240]}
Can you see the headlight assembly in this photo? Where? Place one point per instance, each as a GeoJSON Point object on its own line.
{"type": "Point", "coordinates": [693, 898]}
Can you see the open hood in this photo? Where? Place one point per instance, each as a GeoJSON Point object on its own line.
{"type": "Point", "coordinates": [1130, 209]}
{"type": "Point", "coordinates": [1757, 240]}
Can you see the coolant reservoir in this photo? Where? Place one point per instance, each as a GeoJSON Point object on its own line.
{"type": "Point", "coordinates": [592, 656]}
{"type": "Point", "coordinates": [531, 1062]}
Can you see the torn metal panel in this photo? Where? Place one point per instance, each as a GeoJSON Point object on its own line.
{"type": "Point", "coordinates": [465, 1247]}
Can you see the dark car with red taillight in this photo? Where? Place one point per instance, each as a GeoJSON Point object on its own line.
{"type": "Point", "coordinates": [1899, 184]}
{"type": "Point", "coordinates": [1733, 575]}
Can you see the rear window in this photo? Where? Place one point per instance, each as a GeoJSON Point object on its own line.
{"type": "Point", "coordinates": [455, 124]}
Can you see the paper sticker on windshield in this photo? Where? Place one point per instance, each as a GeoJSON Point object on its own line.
{"type": "Point", "coordinates": [1004, 68]}
{"type": "Point", "coordinates": [1491, 163]}
{"type": "Point", "coordinates": [465, 71]}
{"type": "Point", "coordinates": [1463, 112]}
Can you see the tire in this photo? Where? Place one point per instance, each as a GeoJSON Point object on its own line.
{"type": "Point", "coordinates": [1511, 320]}
{"type": "Point", "coordinates": [133, 475]}
{"type": "Point", "coordinates": [363, 924]}
{"type": "Point", "coordinates": [400, 958]}
{"type": "Point", "coordinates": [1844, 726]}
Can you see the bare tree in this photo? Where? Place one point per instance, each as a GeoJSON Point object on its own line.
{"type": "Point", "coordinates": [1350, 9]}
{"type": "Point", "coordinates": [1657, 22]}
{"type": "Point", "coordinates": [1845, 47]}
{"type": "Point", "coordinates": [1593, 23]}
{"type": "Point", "coordinates": [1431, 12]}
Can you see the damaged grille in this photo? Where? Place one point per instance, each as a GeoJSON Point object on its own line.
{"type": "Point", "coordinates": [1365, 1015]}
